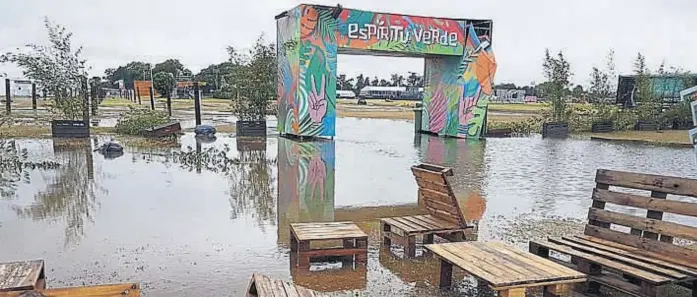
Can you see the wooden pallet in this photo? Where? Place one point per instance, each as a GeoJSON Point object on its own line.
{"type": "Point", "coordinates": [645, 260]}
{"type": "Point", "coordinates": [21, 276]}
{"type": "Point", "coordinates": [444, 218]}
{"type": "Point", "coordinates": [169, 129]}
{"type": "Point", "coordinates": [115, 290]}
{"type": "Point", "coordinates": [354, 241]}
{"type": "Point", "coordinates": [263, 286]}
{"type": "Point", "coordinates": [504, 269]}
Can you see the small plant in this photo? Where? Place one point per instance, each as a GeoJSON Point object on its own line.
{"type": "Point", "coordinates": [557, 70]}
{"type": "Point", "coordinates": [136, 121]}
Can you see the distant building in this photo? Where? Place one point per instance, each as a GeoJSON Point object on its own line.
{"type": "Point", "coordinates": [510, 95]}
{"type": "Point", "coordinates": [377, 92]}
{"type": "Point", "coordinates": [666, 87]}
{"type": "Point", "coordinates": [18, 88]}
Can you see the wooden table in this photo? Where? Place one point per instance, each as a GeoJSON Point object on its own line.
{"type": "Point", "coordinates": [20, 276]}
{"type": "Point", "coordinates": [505, 269]}
{"type": "Point", "coordinates": [355, 241]}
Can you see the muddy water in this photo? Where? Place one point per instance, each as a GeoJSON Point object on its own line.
{"type": "Point", "coordinates": [188, 224]}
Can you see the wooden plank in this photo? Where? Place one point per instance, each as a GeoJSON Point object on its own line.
{"type": "Point", "coordinates": [436, 168]}
{"type": "Point", "coordinates": [445, 225]}
{"type": "Point", "coordinates": [398, 224]}
{"type": "Point", "coordinates": [540, 284]}
{"type": "Point", "coordinates": [471, 265]}
{"type": "Point", "coordinates": [611, 247]}
{"type": "Point", "coordinates": [438, 187]}
{"type": "Point", "coordinates": [671, 206]}
{"type": "Point", "coordinates": [560, 272]}
{"type": "Point", "coordinates": [20, 275]}
{"type": "Point", "coordinates": [649, 182]}
{"type": "Point", "coordinates": [656, 215]}
{"type": "Point", "coordinates": [619, 258]}
{"type": "Point", "coordinates": [432, 195]}
{"type": "Point", "coordinates": [651, 225]}
{"type": "Point", "coordinates": [115, 290]}
{"type": "Point", "coordinates": [423, 224]}
{"type": "Point", "coordinates": [508, 272]}
{"type": "Point", "coordinates": [434, 205]}
{"type": "Point", "coordinates": [661, 250]}
{"type": "Point", "coordinates": [429, 176]}
{"type": "Point", "coordinates": [645, 275]}
{"type": "Point", "coordinates": [617, 283]}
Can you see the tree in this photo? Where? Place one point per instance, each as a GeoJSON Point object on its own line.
{"type": "Point", "coordinates": [172, 66]}
{"type": "Point", "coordinates": [366, 81]}
{"type": "Point", "coordinates": [164, 83]}
{"type": "Point", "coordinates": [578, 92]}
{"type": "Point", "coordinates": [558, 73]}
{"type": "Point", "coordinates": [649, 105]}
{"type": "Point", "coordinates": [375, 82]}
{"type": "Point", "coordinates": [383, 83]}
{"type": "Point", "coordinates": [128, 73]}
{"type": "Point", "coordinates": [602, 81]}
{"type": "Point", "coordinates": [56, 67]}
{"type": "Point", "coordinates": [414, 80]}
{"type": "Point", "coordinates": [507, 86]}
{"type": "Point", "coordinates": [255, 80]}
{"type": "Point", "coordinates": [214, 75]}
{"type": "Point", "coordinates": [344, 84]}
{"type": "Point", "coordinates": [396, 80]}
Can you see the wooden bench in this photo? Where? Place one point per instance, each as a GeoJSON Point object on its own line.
{"type": "Point", "coordinates": [22, 276]}
{"type": "Point", "coordinates": [115, 290]}
{"type": "Point", "coordinates": [444, 217]}
{"type": "Point", "coordinates": [263, 286]}
{"type": "Point", "coordinates": [354, 240]}
{"type": "Point", "coordinates": [644, 258]}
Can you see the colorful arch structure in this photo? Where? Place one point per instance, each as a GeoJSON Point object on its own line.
{"type": "Point", "coordinates": [458, 75]}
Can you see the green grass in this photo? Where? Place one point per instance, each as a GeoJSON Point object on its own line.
{"type": "Point", "coordinates": [667, 137]}
{"type": "Point", "coordinates": [517, 107]}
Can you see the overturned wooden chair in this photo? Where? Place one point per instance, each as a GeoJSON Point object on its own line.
{"type": "Point", "coordinates": [442, 212]}
{"type": "Point", "coordinates": [643, 259]}
{"type": "Point", "coordinates": [263, 286]}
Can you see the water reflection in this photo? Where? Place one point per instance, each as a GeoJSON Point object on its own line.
{"type": "Point", "coordinates": [252, 183]}
{"type": "Point", "coordinates": [467, 159]}
{"type": "Point", "coordinates": [15, 167]}
{"type": "Point", "coordinates": [70, 194]}
{"type": "Point", "coordinates": [305, 183]}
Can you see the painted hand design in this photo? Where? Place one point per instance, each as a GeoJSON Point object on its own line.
{"type": "Point", "coordinates": [467, 105]}
{"type": "Point", "coordinates": [315, 180]}
{"type": "Point", "coordinates": [318, 105]}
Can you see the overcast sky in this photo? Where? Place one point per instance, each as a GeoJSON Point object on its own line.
{"type": "Point", "coordinates": [197, 32]}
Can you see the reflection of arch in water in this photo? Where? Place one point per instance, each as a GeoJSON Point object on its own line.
{"type": "Point", "coordinates": [305, 182]}
{"type": "Point", "coordinates": [467, 160]}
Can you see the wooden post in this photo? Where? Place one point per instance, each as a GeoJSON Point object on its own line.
{"type": "Point", "coordinates": [169, 104]}
{"type": "Point", "coordinates": [152, 98]}
{"type": "Point", "coordinates": [86, 104]}
{"type": "Point", "coordinates": [197, 104]}
{"type": "Point", "coordinates": [446, 274]}
{"type": "Point", "coordinates": [33, 96]}
{"type": "Point", "coordinates": [138, 95]}
{"type": "Point", "coordinates": [93, 94]}
{"type": "Point", "coordinates": [8, 97]}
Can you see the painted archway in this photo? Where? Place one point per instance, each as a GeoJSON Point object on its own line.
{"type": "Point", "coordinates": [458, 73]}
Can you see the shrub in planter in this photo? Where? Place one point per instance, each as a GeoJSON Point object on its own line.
{"type": "Point", "coordinates": [136, 121]}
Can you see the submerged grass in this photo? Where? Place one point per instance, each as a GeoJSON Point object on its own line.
{"type": "Point", "coordinates": [665, 137]}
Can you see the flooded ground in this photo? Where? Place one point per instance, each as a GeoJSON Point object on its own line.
{"type": "Point", "coordinates": [188, 224]}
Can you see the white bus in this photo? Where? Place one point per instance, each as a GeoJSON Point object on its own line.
{"type": "Point", "coordinates": [345, 94]}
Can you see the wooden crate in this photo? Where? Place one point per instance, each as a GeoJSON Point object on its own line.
{"type": "Point", "coordinates": [251, 128]}
{"type": "Point", "coordinates": [504, 132]}
{"type": "Point", "coordinates": [646, 126]}
{"type": "Point", "coordinates": [602, 127]}
{"type": "Point", "coordinates": [21, 276]}
{"type": "Point", "coordinates": [302, 235]}
{"type": "Point", "coordinates": [555, 130]}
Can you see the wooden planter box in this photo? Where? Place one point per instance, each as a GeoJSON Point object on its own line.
{"type": "Point", "coordinates": [555, 130]}
{"type": "Point", "coordinates": [506, 132]}
{"type": "Point", "coordinates": [171, 128]}
{"type": "Point", "coordinates": [602, 127]}
{"type": "Point", "coordinates": [70, 129]}
{"type": "Point", "coordinates": [251, 128]}
{"type": "Point", "coordinates": [646, 126]}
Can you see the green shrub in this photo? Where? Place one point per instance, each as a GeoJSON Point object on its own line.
{"type": "Point", "coordinates": [678, 116]}
{"type": "Point", "coordinates": [136, 121]}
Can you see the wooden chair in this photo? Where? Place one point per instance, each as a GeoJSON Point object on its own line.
{"type": "Point", "coordinates": [443, 217]}
{"type": "Point", "coordinates": [644, 260]}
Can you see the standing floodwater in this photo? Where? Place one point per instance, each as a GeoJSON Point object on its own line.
{"type": "Point", "coordinates": [189, 224]}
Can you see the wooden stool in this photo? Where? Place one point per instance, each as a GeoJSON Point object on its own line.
{"type": "Point", "coordinates": [355, 241]}
{"type": "Point", "coordinates": [22, 276]}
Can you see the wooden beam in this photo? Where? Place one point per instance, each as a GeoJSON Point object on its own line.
{"type": "Point", "coordinates": [649, 182]}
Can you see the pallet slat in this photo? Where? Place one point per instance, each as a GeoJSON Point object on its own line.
{"type": "Point", "coordinates": [651, 225]}
{"type": "Point", "coordinates": [649, 182]}
{"type": "Point", "coordinates": [115, 290]}
{"type": "Point", "coordinates": [671, 206]}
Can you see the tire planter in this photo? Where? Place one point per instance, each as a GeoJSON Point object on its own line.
{"type": "Point", "coordinates": [70, 129]}
{"type": "Point", "coordinates": [602, 127]}
{"type": "Point", "coordinates": [555, 130]}
{"type": "Point", "coordinates": [251, 128]}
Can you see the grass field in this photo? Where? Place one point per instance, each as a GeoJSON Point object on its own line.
{"type": "Point", "coordinates": [665, 137]}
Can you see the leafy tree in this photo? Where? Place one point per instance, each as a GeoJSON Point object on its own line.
{"type": "Point", "coordinates": [578, 92]}
{"type": "Point", "coordinates": [366, 81]}
{"type": "Point", "coordinates": [383, 83]}
{"type": "Point", "coordinates": [344, 84]}
{"type": "Point", "coordinates": [164, 83]}
{"type": "Point", "coordinates": [396, 80]}
{"type": "Point", "coordinates": [507, 86]}
{"type": "Point", "coordinates": [557, 70]}
{"type": "Point", "coordinates": [649, 105]}
{"type": "Point", "coordinates": [172, 66]}
{"type": "Point", "coordinates": [132, 71]}
{"type": "Point", "coordinates": [603, 81]}
{"type": "Point", "coordinates": [56, 67]}
{"type": "Point", "coordinates": [255, 80]}
{"type": "Point", "coordinates": [414, 80]}
{"type": "Point", "coordinates": [375, 82]}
